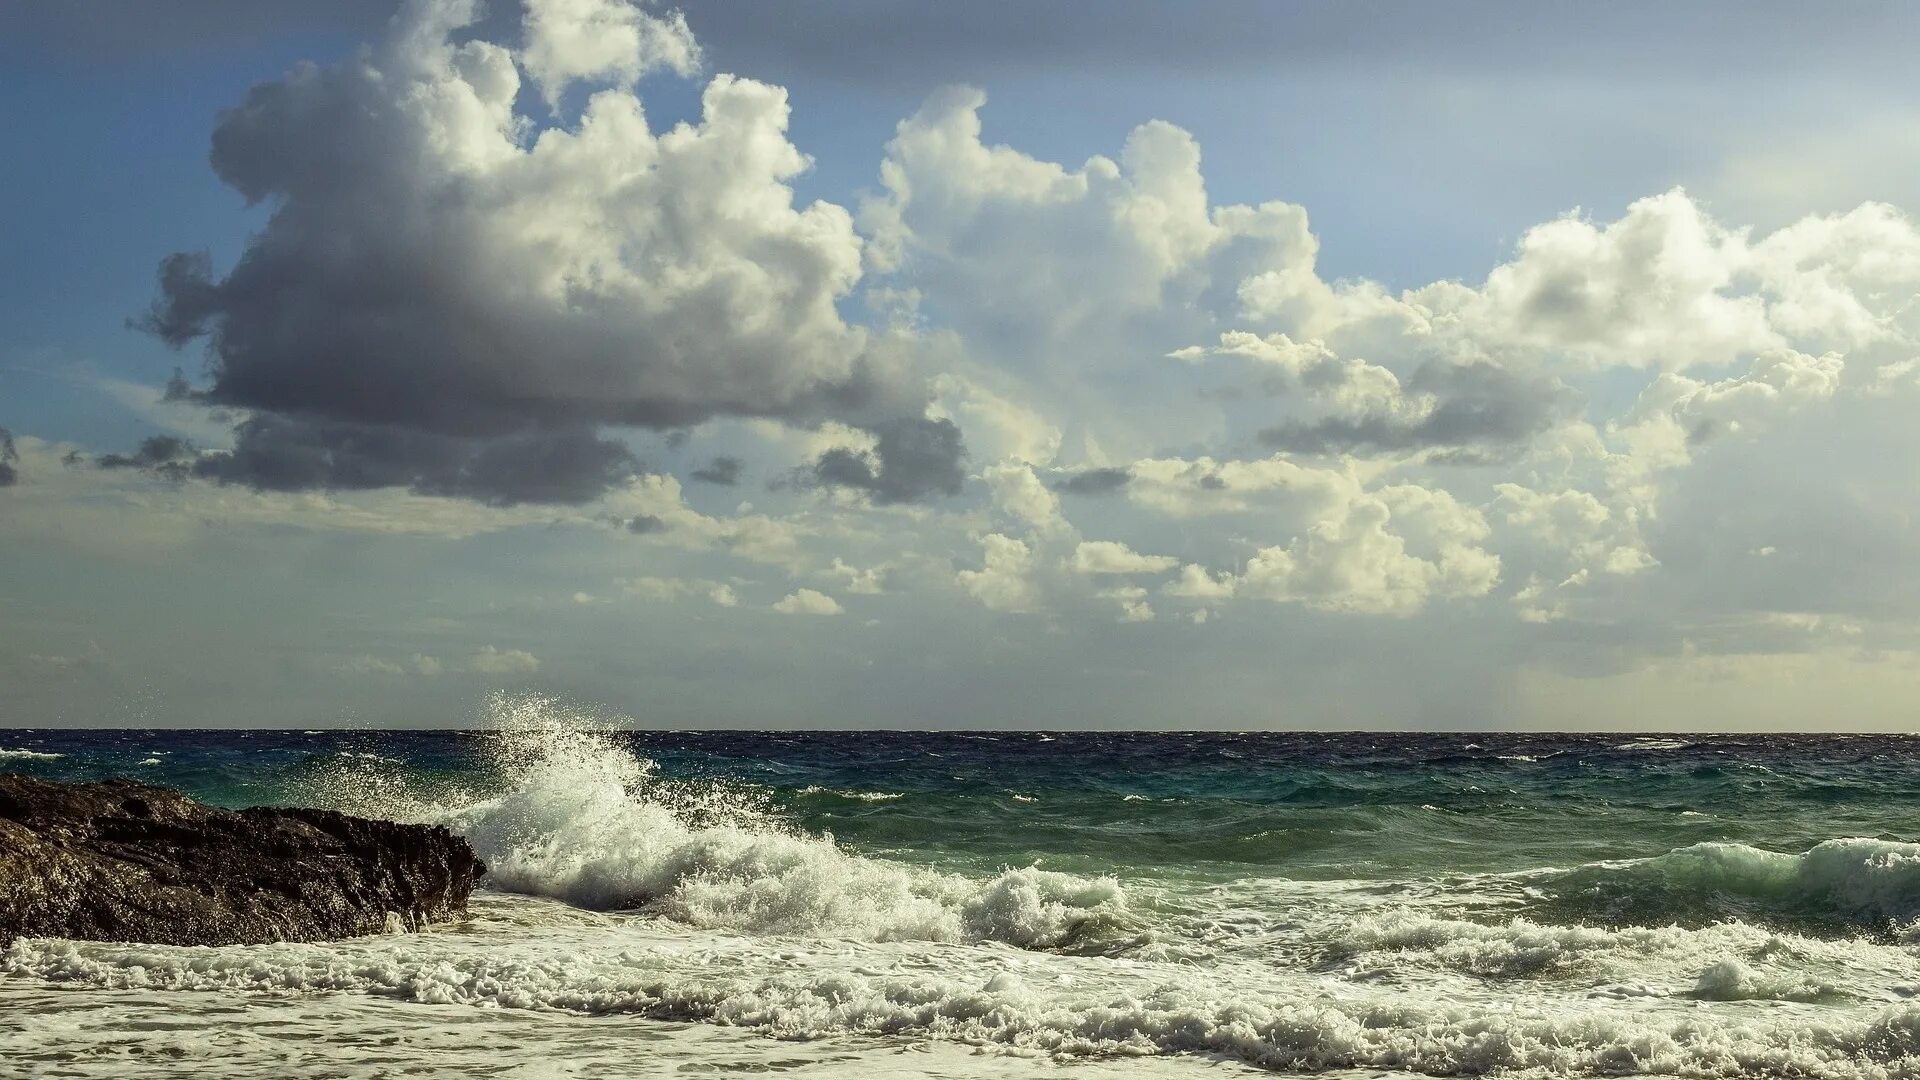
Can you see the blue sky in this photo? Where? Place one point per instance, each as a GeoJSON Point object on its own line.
{"type": "Point", "coordinates": [1498, 365]}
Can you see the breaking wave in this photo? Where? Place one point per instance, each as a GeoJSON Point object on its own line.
{"type": "Point", "coordinates": [580, 818]}
{"type": "Point", "coordinates": [1844, 884]}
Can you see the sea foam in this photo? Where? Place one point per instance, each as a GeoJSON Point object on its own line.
{"type": "Point", "coordinates": [1063, 1006]}
{"type": "Point", "coordinates": [1864, 882]}
{"type": "Point", "coordinates": [580, 818]}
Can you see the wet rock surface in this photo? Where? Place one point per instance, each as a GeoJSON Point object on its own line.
{"type": "Point", "coordinates": [119, 860]}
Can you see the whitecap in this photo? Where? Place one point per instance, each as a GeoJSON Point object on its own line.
{"type": "Point", "coordinates": [849, 793]}
{"type": "Point", "coordinates": [584, 820]}
{"type": "Point", "coordinates": [1654, 744]}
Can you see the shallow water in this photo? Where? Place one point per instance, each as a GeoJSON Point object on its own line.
{"type": "Point", "coordinates": [880, 904]}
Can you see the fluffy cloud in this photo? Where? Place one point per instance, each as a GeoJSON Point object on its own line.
{"type": "Point", "coordinates": [868, 582]}
{"type": "Point", "coordinates": [1112, 557]}
{"type": "Point", "coordinates": [1005, 581]}
{"type": "Point", "coordinates": [490, 660]}
{"type": "Point", "coordinates": [1655, 289]}
{"type": "Point", "coordinates": [1444, 404]}
{"type": "Point", "coordinates": [1356, 561]}
{"type": "Point", "coordinates": [1019, 493]}
{"type": "Point", "coordinates": [912, 458]}
{"type": "Point", "coordinates": [667, 590]}
{"type": "Point", "coordinates": [602, 40]}
{"type": "Point", "coordinates": [808, 602]}
{"type": "Point", "coordinates": [448, 297]}
{"type": "Point", "coordinates": [496, 661]}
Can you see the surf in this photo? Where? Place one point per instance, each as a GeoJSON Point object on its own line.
{"type": "Point", "coordinates": [575, 815]}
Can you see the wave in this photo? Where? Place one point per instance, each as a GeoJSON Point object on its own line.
{"type": "Point", "coordinates": [28, 755]}
{"type": "Point", "coordinates": [581, 819]}
{"type": "Point", "coordinates": [1731, 961]}
{"type": "Point", "coordinates": [856, 796]}
{"type": "Point", "coordinates": [984, 1002]}
{"type": "Point", "coordinates": [1654, 744]}
{"type": "Point", "coordinates": [1857, 883]}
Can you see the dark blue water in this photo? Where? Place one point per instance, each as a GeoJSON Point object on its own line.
{"type": "Point", "coordinates": [1202, 805]}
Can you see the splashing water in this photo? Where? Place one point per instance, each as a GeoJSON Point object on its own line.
{"type": "Point", "coordinates": [580, 818]}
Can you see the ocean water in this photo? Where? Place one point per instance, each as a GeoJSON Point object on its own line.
{"type": "Point", "coordinates": [881, 904]}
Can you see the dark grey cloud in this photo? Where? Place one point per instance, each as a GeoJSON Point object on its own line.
{"type": "Point", "coordinates": [642, 524]}
{"type": "Point", "coordinates": [9, 459]}
{"type": "Point", "coordinates": [912, 459]}
{"type": "Point", "coordinates": [1094, 482]}
{"type": "Point", "coordinates": [276, 453]}
{"type": "Point", "coordinates": [111, 31]}
{"type": "Point", "coordinates": [721, 470]}
{"type": "Point", "coordinates": [917, 45]}
{"type": "Point", "coordinates": [164, 455]}
{"type": "Point", "coordinates": [1478, 406]}
{"type": "Point", "coordinates": [394, 322]}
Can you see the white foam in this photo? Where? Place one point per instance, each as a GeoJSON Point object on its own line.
{"type": "Point", "coordinates": [1728, 961]}
{"type": "Point", "coordinates": [1654, 744]}
{"type": "Point", "coordinates": [858, 796]}
{"type": "Point", "coordinates": [1862, 879]}
{"type": "Point", "coordinates": [28, 755]}
{"type": "Point", "coordinates": [582, 819]}
{"type": "Point", "coordinates": [1071, 1007]}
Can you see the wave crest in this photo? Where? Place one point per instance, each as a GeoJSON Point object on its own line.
{"type": "Point", "coordinates": [1854, 883]}
{"type": "Point", "coordinates": [580, 818]}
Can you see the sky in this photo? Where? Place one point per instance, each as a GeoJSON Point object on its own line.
{"type": "Point", "coordinates": [1017, 365]}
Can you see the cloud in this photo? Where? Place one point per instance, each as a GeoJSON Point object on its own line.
{"type": "Point", "coordinates": [911, 460]}
{"type": "Point", "coordinates": [1113, 557]}
{"type": "Point", "coordinates": [418, 664]}
{"type": "Point", "coordinates": [1359, 562]}
{"type": "Point", "coordinates": [870, 581]}
{"type": "Point", "coordinates": [495, 661]}
{"type": "Point", "coordinates": [808, 602]}
{"type": "Point", "coordinates": [722, 470]}
{"type": "Point", "coordinates": [1195, 583]}
{"type": "Point", "coordinates": [667, 590]}
{"type": "Point", "coordinates": [1444, 404]}
{"type": "Point", "coordinates": [275, 453]}
{"type": "Point", "coordinates": [489, 660]}
{"type": "Point", "coordinates": [1020, 494]}
{"type": "Point", "coordinates": [1104, 481]}
{"type": "Point", "coordinates": [1133, 603]}
{"type": "Point", "coordinates": [166, 455]}
{"type": "Point", "coordinates": [1025, 254]}
{"type": "Point", "coordinates": [602, 41]}
{"type": "Point", "coordinates": [1449, 406]}
{"type": "Point", "coordinates": [9, 460]}
{"type": "Point", "coordinates": [1005, 582]}
{"type": "Point", "coordinates": [448, 297]}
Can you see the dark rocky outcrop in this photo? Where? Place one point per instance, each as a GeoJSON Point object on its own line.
{"type": "Point", "coordinates": [124, 861]}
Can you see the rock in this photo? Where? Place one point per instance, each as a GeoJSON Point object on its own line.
{"type": "Point", "coordinates": [124, 861]}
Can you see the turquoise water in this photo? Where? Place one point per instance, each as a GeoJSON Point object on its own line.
{"type": "Point", "coordinates": [1545, 904]}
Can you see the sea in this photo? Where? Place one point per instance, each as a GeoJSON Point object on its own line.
{"type": "Point", "coordinates": [1038, 904]}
